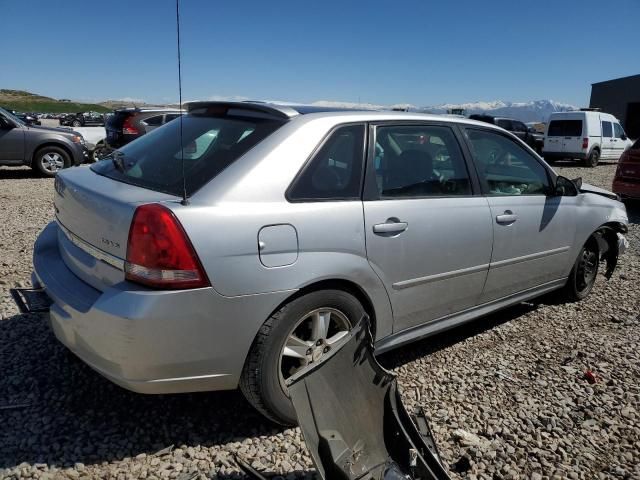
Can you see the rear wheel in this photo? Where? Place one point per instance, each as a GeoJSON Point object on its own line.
{"type": "Point", "coordinates": [584, 272]}
{"type": "Point", "coordinates": [49, 160]}
{"type": "Point", "coordinates": [293, 339]}
{"type": "Point", "coordinates": [593, 159]}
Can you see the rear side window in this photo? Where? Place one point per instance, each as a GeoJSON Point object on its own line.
{"type": "Point", "coordinates": [154, 121]}
{"type": "Point", "coordinates": [607, 130]}
{"type": "Point", "coordinates": [419, 161]}
{"type": "Point", "coordinates": [335, 171]}
{"type": "Point", "coordinates": [211, 143]}
{"type": "Point", "coordinates": [565, 128]}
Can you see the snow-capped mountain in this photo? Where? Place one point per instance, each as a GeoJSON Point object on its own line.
{"type": "Point", "coordinates": [534, 111]}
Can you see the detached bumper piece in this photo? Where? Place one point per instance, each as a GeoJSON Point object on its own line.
{"type": "Point", "coordinates": [31, 300]}
{"type": "Point", "coordinates": [353, 420]}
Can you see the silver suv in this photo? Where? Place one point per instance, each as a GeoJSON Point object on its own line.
{"type": "Point", "coordinates": [297, 222]}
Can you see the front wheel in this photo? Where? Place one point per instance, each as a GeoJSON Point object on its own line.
{"type": "Point", "coordinates": [76, 123]}
{"type": "Point", "coordinates": [583, 274]}
{"type": "Point", "coordinates": [293, 339]}
{"type": "Point", "coordinates": [49, 160]}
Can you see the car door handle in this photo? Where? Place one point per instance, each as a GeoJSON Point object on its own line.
{"type": "Point", "coordinates": [507, 218]}
{"type": "Point", "coordinates": [390, 226]}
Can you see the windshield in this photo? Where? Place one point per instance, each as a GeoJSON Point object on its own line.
{"type": "Point", "coordinates": [210, 144]}
{"type": "Point", "coordinates": [12, 117]}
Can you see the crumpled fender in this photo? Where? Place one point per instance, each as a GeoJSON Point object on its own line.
{"type": "Point", "coordinates": [609, 247]}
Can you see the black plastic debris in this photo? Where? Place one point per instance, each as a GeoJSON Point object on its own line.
{"type": "Point", "coordinates": [353, 420]}
{"type": "Point", "coordinates": [31, 300]}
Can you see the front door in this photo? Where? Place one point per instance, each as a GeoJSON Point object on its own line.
{"type": "Point", "coordinates": [532, 232]}
{"type": "Point", "coordinates": [619, 143]}
{"type": "Point", "coordinates": [428, 236]}
{"type": "Point", "coordinates": [11, 141]}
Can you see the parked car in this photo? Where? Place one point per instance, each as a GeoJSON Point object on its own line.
{"type": "Point", "coordinates": [25, 117]}
{"type": "Point", "coordinates": [586, 135]}
{"type": "Point", "coordinates": [290, 224]}
{"type": "Point", "coordinates": [518, 128]}
{"type": "Point", "coordinates": [46, 150]}
{"type": "Point", "coordinates": [127, 124]}
{"type": "Point", "coordinates": [81, 119]}
{"type": "Point", "coordinates": [626, 182]}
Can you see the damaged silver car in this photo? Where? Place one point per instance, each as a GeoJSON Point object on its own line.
{"type": "Point", "coordinates": [296, 222]}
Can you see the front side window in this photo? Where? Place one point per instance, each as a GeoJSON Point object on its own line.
{"type": "Point", "coordinates": [506, 167]}
{"type": "Point", "coordinates": [419, 161]}
{"type": "Point", "coordinates": [335, 171]}
{"type": "Point", "coordinates": [607, 130]}
{"type": "Point", "coordinates": [617, 130]}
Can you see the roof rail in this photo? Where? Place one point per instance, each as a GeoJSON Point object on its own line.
{"type": "Point", "coordinates": [590, 109]}
{"type": "Point", "coordinates": [279, 111]}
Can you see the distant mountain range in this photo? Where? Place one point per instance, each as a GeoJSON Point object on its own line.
{"type": "Point", "coordinates": [534, 111]}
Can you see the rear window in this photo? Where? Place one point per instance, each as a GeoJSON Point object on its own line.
{"type": "Point", "coordinates": [565, 128]}
{"type": "Point", "coordinates": [210, 144]}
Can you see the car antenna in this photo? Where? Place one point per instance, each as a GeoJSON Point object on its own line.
{"type": "Point", "coordinates": [184, 201]}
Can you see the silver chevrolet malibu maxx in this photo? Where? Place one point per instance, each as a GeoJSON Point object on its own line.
{"type": "Point", "coordinates": [297, 222]}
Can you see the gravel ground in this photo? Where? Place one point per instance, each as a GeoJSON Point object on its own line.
{"type": "Point", "coordinates": [506, 395]}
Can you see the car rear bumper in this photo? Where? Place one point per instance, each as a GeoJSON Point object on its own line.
{"type": "Point", "coordinates": [146, 340]}
{"type": "Point", "coordinates": [627, 188]}
{"type": "Point", "coordinates": [562, 155]}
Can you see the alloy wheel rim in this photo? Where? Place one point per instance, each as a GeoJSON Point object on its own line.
{"type": "Point", "coordinates": [52, 162]}
{"type": "Point", "coordinates": [587, 269]}
{"type": "Point", "coordinates": [310, 340]}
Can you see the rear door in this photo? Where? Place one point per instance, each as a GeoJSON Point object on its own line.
{"type": "Point", "coordinates": [572, 136]}
{"type": "Point", "coordinates": [607, 140]}
{"type": "Point", "coordinates": [428, 232]}
{"type": "Point", "coordinates": [533, 233]}
{"type": "Point", "coordinates": [554, 140]}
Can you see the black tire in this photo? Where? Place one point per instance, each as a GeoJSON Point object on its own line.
{"type": "Point", "coordinates": [76, 123]}
{"type": "Point", "coordinates": [101, 151]}
{"type": "Point", "coordinates": [260, 381]}
{"type": "Point", "coordinates": [43, 158]}
{"type": "Point", "coordinates": [583, 274]}
{"type": "Point", "coordinates": [593, 158]}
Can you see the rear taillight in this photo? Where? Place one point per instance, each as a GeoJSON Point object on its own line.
{"type": "Point", "coordinates": [585, 143]}
{"type": "Point", "coordinates": [128, 128]}
{"type": "Point", "coordinates": [159, 253]}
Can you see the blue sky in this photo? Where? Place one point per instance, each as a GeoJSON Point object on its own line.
{"type": "Point", "coordinates": [419, 52]}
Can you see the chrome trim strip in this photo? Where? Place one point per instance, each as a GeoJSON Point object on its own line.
{"type": "Point", "coordinates": [439, 276]}
{"type": "Point", "coordinates": [532, 256]}
{"type": "Point", "coordinates": [90, 249]}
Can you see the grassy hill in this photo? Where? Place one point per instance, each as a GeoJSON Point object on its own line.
{"type": "Point", "coordinates": [30, 102]}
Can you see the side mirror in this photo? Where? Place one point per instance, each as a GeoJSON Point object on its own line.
{"type": "Point", "coordinates": [623, 137]}
{"type": "Point", "coordinates": [565, 187]}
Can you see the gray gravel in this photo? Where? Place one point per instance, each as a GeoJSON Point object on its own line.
{"type": "Point", "coordinates": [506, 395]}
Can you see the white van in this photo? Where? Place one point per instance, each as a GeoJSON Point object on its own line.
{"type": "Point", "coordinates": [586, 134]}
